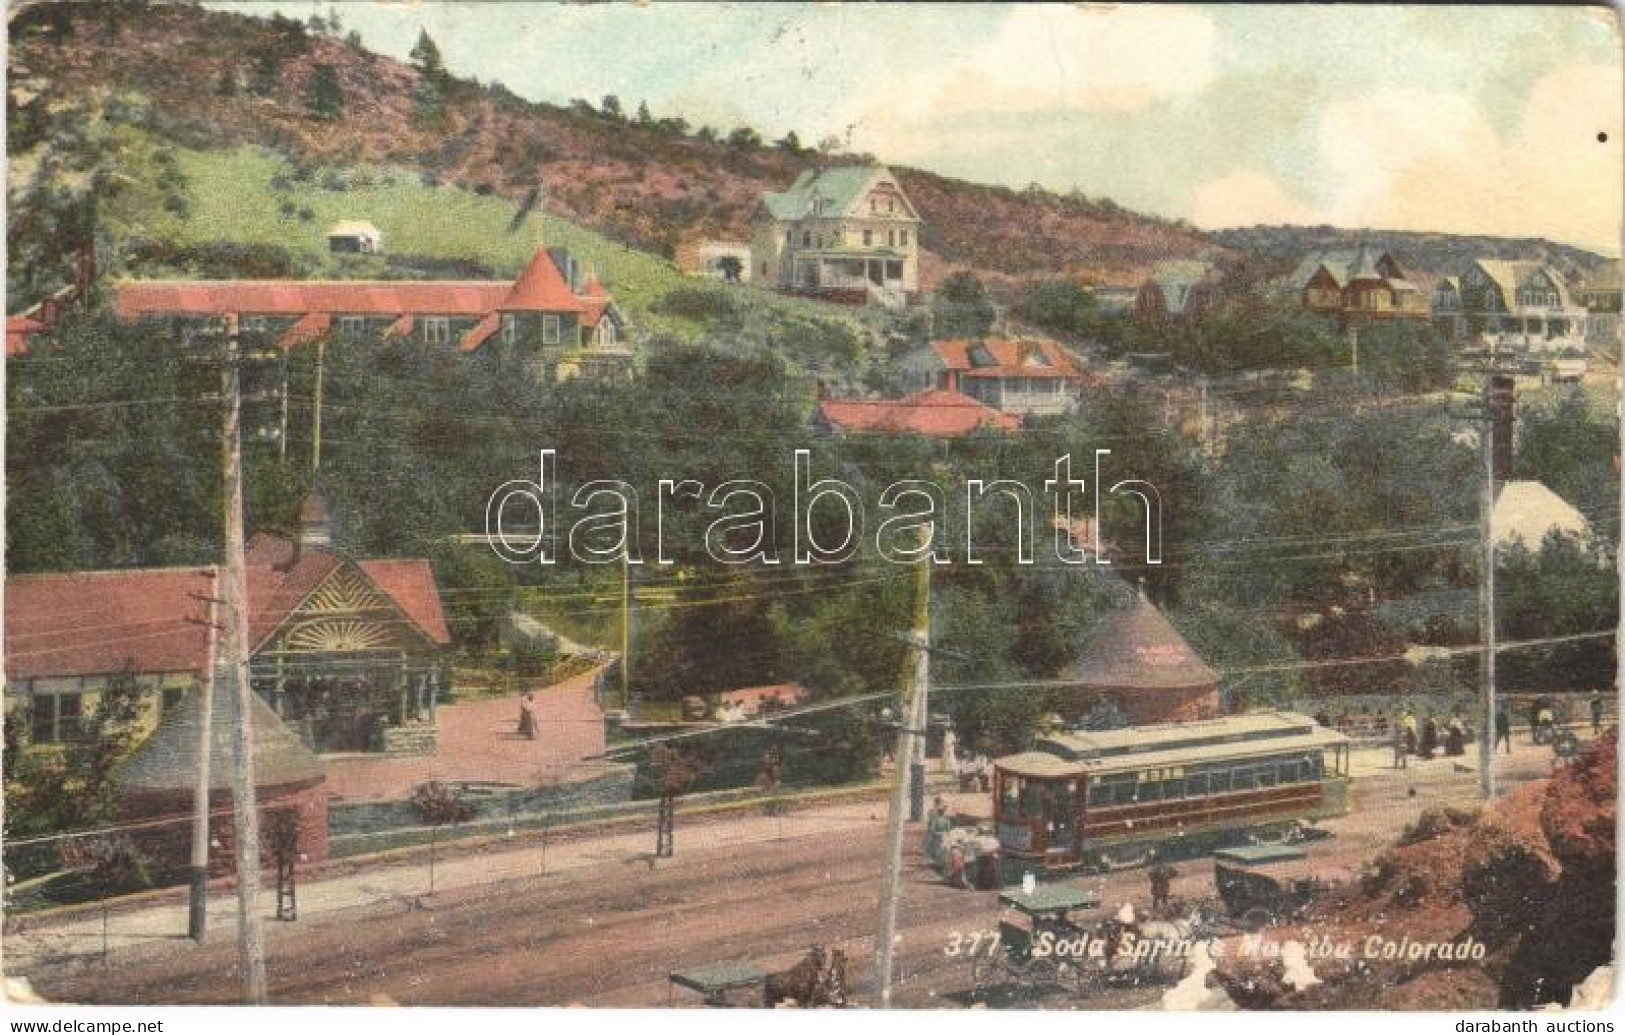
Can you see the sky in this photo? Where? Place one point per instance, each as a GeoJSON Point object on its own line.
{"type": "Point", "coordinates": [1459, 119]}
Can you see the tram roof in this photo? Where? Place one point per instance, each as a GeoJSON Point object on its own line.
{"type": "Point", "coordinates": [1079, 745]}
{"type": "Point", "coordinates": [1045, 765]}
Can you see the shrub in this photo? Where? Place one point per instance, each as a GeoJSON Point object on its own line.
{"type": "Point", "coordinates": [438, 805]}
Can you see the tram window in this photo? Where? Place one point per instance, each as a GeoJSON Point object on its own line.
{"type": "Point", "coordinates": [1173, 789]}
{"type": "Point", "coordinates": [1242, 778]}
{"type": "Point", "coordinates": [1266, 775]}
{"type": "Point", "coordinates": [1317, 766]}
{"type": "Point", "coordinates": [1218, 781]}
{"type": "Point", "coordinates": [1289, 772]}
{"type": "Point", "coordinates": [1100, 793]}
{"type": "Point", "coordinates": [1196, 786]}
{"type": "Point", "coordinates": [1149, 791]}
{"type": "Point", "coordinates": [1123, 793]}
{"type": "Point", "coordinates": [1032, 801]}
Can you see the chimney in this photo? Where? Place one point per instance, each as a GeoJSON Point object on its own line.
{"type": "Point", "coordinates": [1498, 402]}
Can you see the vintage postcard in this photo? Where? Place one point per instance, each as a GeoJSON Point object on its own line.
{"type": "Point", "coordinates": [867, 505]}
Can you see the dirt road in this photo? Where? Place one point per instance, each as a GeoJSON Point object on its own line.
{"type": "Point", "coordinates": [609, 934]}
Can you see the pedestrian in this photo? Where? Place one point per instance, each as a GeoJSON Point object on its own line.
{"type": "Point", "coordinates": [1408, 721]}
{"type": "Point", "coordinates": [1162, 882]}
{"type": "Point", "coordinates": [527, 716]}
{"type": "Point", "coordinates": [937, 826]}
{"type": "Point", "coordinates": [1534, 721]}
{"type": "Point", "coordinates": [1402, 751]}
{"type": "Point", "coordinates": [1503, 728]}
{"type": "Point", "coordinates": [1430, 737]}
{"type": "Point", "coordinates": [1596, 712]}
{"type": "Point", "coordinates": [1455, 738]}
{"type": "Point", "coordinates": [1544, 723]}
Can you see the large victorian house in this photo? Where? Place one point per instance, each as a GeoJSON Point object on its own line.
{"type": "Point", "coordinates": [845, 233]}
{"type": "Point", "coordinates": [1358, 285]}
{"type": "Point", "coordinates": [1510, 305]}
{"type": "Point", "coordinates": [1021, 377]}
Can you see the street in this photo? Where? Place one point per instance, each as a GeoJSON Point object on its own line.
{"type": "Point", "coordinates": [604, 925]}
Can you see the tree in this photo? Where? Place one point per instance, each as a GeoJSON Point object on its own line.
{"type": "Point", "coordinates": [962, 308]}
{"type": "Point", "coordinates": [425, 57]}
{"type": "Point", "coordinates": [610, 108]}
{"type": "Point", "coordinates": [226, 84]}
{"type": "Point", "coordinates": [644, 118]}
{"type": "Point", "coordinates": [731, 268]}
{"type": "Point", "coordinates": [789, 142]}
{"type": "Point", "coordinates": [744, 139]}
{"type": "Point", "coordinates": [324, 95]}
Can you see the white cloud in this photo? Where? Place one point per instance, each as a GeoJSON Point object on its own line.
{"type": "Point", "coordinates": [1431, 160]}
{"type": "Point", "coordinates": [1048, 58]}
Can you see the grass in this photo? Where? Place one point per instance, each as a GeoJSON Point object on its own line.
{"type": "Point", "coordinates": [242, 196]}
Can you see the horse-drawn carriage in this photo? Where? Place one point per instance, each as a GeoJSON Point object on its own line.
{"type": "Point", "coordinates": [1268, 883]}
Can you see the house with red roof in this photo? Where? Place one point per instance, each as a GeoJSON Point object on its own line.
{"type": "Point", "coordinates": [938, 413]}
{"type": "Point", "coordinates": [545, 316]}
{"type": "Point", "coordinates": [348, 653]}
{"type": "Point", "coordinates": [1017, 376]}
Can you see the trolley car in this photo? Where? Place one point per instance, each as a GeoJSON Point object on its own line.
{"type": "Point", "coordinates": [1107, 799]}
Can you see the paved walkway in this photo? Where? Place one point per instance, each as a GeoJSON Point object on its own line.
{"type": "Point", "coordinates": [479, 742]}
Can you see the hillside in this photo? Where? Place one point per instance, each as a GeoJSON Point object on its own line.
{"type": "Point", "coordinates": [1438, 254]}
{"type": "Point", "coordinates": [222, 81]}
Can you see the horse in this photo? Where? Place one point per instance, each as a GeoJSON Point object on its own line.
{"type": "Point", "coordinates": [819, 979]}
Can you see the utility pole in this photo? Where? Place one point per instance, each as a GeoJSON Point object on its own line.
{"type": "Point", "coordinates": [913, 720]}
{"type": "Point", "coordinates": [316, 416]}
{"type": "Point", "coordinates": [1354, 342]}
{"type": "Point", "coordinates": [626, 625]}
{"type": "Point", "coordinates": [244, 806]}
{"type": "Point", "coordinates": [1497, 396]}
{"type": "Point", "coordinates": [1207, 443]}
{"type": "Point", "coordinates": [197, 917]}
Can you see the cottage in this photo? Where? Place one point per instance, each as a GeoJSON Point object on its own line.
{"type": "Point", "coordinates": [939, 413]}
{"type": "Point", "coordinates": [353, 237]}
{"type": "Point", "coordinates": [348, 653]}
{"type": "Point", "coordinates": [1520, 305]}
{"type": "Point", "coordinates": [847, 233]}
{"type": "Point", "coordinates": [1357, 285]}
{"type": "Point", "coordinates": [1023, 377]}
{"type": "Point", "coordinates": [1599, 292]}
{"type": "Point", "coordinates": [542, 317]}
{"type": "Point", "coordinates": [1176, 290]}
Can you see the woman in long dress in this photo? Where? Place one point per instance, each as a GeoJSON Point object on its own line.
{"type": "Point", "coordinates": [527, 718]}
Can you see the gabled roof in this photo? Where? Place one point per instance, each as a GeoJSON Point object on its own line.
{"type": "Point", "coordinates": [940, 413]}
{"type": "Point", "coordinates": [1527, 511]}
{"type": "Point", "coordinates": [1006, 357]}
{"type": "Point", "coordinates": [479, 333]}
{"type": "Point", "coordinates": [1343, 265]}
{"type": "Point", "coordinates": [99, 623]}
{"type": "Point", "coordinates": [841, 187]}
{"type": "Point", "coordinates": [1511, 274]}
{"type": "Point", "coordinates": [353, 228]}
{"type": "Point", "coordinates": [168, 761]}
{"type": "Point", "coordinates": [1136, 648]}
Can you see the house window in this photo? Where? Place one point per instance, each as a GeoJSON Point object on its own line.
{"type": "Point", "coordinates": [56, 717]}
{"type": "Point", "coordinates": [868, 238]}
{"type": "Point", "coordinates": [172, 696]}
{"type": "Point", "coordinates": [550, 329]}
{"type": "Point", "coordinates": [891, 238]}
{"type": "Point", "coordinates": [806, 239]}
{"type": "Point", "coordinates": [510, 328]}
{"type": "Point", "coordinates": [902, 238]}
{"type": "Point", "coordinates": [606, 332]}
{"type": "Point", "coordinates": [436, 330]}
{"type": "Point", "coordinates": [256, 324]}
{"type": "Point", "coordinates": [352, 326]}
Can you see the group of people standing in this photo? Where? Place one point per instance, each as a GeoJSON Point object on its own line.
{"type": "Point", "coordinates": [1426, 738]}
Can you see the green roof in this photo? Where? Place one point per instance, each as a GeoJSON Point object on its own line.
{"type": "Point", "coordinates": [841, 186]}
{"type": "Point", "coordinates": [1256, 855]}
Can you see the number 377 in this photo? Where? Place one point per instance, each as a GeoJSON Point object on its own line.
{"type": "Point", "coordinates": [971, 943]}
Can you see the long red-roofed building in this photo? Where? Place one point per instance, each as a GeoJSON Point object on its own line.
{"type": "Point", "coordinates": [939, 413]}
{"type": "Point", "coordinates": [542, 315]}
